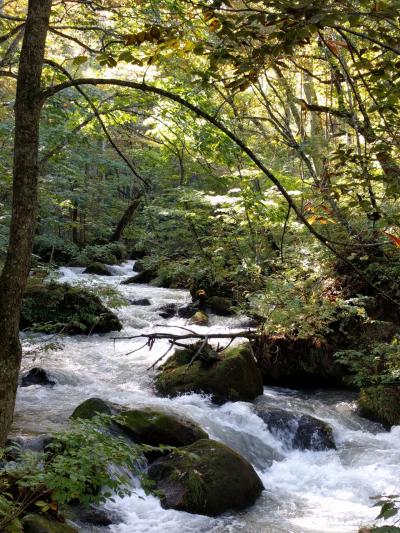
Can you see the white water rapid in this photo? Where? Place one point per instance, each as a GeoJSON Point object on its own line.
{"type": "Point", "coordinates": [318, 492]}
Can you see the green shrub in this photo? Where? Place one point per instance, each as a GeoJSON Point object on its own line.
{"type": "Point", "coordinates": [80, 464]}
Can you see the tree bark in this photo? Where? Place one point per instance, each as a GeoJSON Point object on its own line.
{"type": "Point", "coordinates": [28, 104]}
{"type": "Point", "coordinates": [126, 217]}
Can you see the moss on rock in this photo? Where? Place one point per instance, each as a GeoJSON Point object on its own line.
{"type": "Point", "coordinates": [232, 376]}
{"type": "Point", "coordinates": [97, 268]}
{"type": "Point", "coordinates": [380, 404]}
{"type": "Point", "coordinates": [200, 318]}
{"type": "Point", "coordinates": [93, 406]}
{"type": "Point", "coordinates": [58, 307]}
{"type": "Point", "coordinates": [207, 478]}
{"type": "Point", "coordinates": [152, 427]}
{"type": "Point", "coordinates": [220, 305]}
{"type": "Point", "coordinates": [34, 523]}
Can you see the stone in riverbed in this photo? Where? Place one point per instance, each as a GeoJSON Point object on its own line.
{"type": "Point", "coordinates": [299, 431]}
{"type": "Point", "coordinates": [206, 478]}
{"type": "Point", "coordinates": [93, 406]}
{"type": "Point", "coordinates": [188, 311]}
{"type": "Point", "coordinates": [220, 305]}
{"type": "Point", "coordinates": [199, 319]}
{"type": "Point", "coordinates": [140, 301]}
{"type": "Point", "coordinates": [145, 425]}
{"type": "Point", "coordinates": [231, 375]}
{"type": "Point", "coordinates": [37, 376]}
{"type": "Point", "coordinates": [168, 310]}
{"type": "Point", "coordinates": [152, 427]}
{"type": "Point", "coordinates": [97, 268]}
{"type": "Point", "coordinates": [143, 277]}
{"type": "Point", "coordinates": [380, 404]}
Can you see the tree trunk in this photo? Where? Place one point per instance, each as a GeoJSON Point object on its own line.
{"type": "Point", "coordinates": [28, 105]}
{"type": "Point", "coordinates": [126, 217]}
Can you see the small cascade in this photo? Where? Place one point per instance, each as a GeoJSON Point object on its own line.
{"type": "Point", "coordinates": [305, 491]}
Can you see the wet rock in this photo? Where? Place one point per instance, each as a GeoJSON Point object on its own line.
{"type": "Point", "coordinates": [168, 310]}
{"type": "Point", "coordinates": [231, 375]}
{"type": "Point", "coordinates": [206, 478]}
{"type": "Point", "coordinates": [93, 406]}
{"type": "Point", "coordinates": [97, 268]}
{"type": "Point", "coordinates": [380, 404]}
{"type": "Point", "coordinates": [200, 318]}
{"type": "Point", "coordinates": [188, 311]}
{"type": "Point", "coordinates": [140, 301]}
{"type": "Point", "coordinates": [91, 515]}
{"type": "Point", "coordinates": [299, 431]}
{"type": "Point", "coordinates": [143, 277]}
{"type": "Point", "coordinates": [220, 305]}
{"type": "Point", "coordinates": [33, 523]}
{"type": "Point", "coordinates": [56, 307]}
{"type": "Point", "coordinates": [37, 376]}
{"type": "Point", "coordinates": [139, 266]}
{"type": "Point", "coordinates": [149, 426]}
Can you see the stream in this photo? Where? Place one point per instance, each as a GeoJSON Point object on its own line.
{"type": "Point", "coordinates": [305, 491]}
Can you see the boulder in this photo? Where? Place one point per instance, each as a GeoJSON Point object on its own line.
{"type": "Point", "coordinates": [37, 376]}
{"type": "Point", "coordinates": [90, 514]}
{"type": "Point", "coordinates": [149, 426]}
{"type": "Point", "coordinates": [380, 403]}
{"type": "Point", "coordinates": [139, 266]}
{"type": "Point", "coordinates": [59, 307]}
{"type": "Point", "coordinates": [200, 318]}
{"type": "Point", "coordinates": [168, 310]}
{"type": "Point", "coordinates": [97, 268]}
{"type": "Point", "coordinates": [141, 301]}
{"type": "Point", "coordinates": [93, 406]}
{"type": "Point", "coordinates": [145, 425]}
{"type": "Point", "coordinates": [231, 375]}
{"type": "Point", "coordinates": [205, 478]}
{"type": "Point", "coordinates": [299, 431]}
{"type": "Point", "coordinates": [220, 305]}
{"type": "Point", "coordinates": [34, 523]}
{"type": "Point", "coordinates": [143, 277]}
{"type": "Point", "coordinates": [187, 311]}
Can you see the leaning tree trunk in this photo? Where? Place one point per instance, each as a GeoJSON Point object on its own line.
{"type": "Point", "coordinates": [28, 105]}
{"type": "Point", "coordinates": [126, 217]}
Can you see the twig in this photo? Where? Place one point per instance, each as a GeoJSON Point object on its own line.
{"type": "Point", "coordinates": [162, 357]}
{"type": "Point", "coordinates": [176, 327]}
{"type": "Point", "coordinates": [196, 355]}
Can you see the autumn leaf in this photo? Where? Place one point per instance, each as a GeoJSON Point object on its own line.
{"type": "Point", "coordinates": [393, 238]}
{"type": "Point", "coordinates": [335, 46]}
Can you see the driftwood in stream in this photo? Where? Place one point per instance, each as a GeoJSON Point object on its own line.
{"type": "Point", "coordinates": [199, 349]}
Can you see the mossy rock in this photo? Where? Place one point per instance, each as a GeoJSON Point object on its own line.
{"type": "Point", "coordinates": [220, 305]}
{"type": "Point", "coordinates": [231, 376]}
{"type": "Point", "coordinates": [380, 404]}
{"type": "Point", "coordinates": [148, 426]}
{"type": "Point", "coordinates": [34, 523]}
{"type": "Point", "coordinates": [93, 406]}
{"type": "Point", "coordinates": [200, 318]}
{"type": "Point", "coordinates": [205, 478]}
{"type": "Point", "coordinates": [97, 268]}
{"type": "Point", "coordinates": [59, 307]}
{"type": "Point", "coordinates": [144, 426]}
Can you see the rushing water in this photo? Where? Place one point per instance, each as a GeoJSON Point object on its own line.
{"type": "Point", "coordinates": [319, 492]}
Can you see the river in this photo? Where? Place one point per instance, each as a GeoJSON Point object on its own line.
{"type": "Point", "coordinates": [305, 491]}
